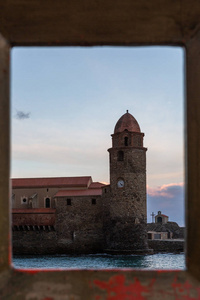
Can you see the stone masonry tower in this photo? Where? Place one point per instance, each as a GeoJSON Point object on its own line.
{"type": "Point", "coordinates": [125, 199]}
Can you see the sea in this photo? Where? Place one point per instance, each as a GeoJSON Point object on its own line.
{"type": "Point", "coordinates": [158, 261]}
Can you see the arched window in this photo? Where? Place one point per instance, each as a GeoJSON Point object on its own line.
{"type": "Point", "coordinates": [120, 156]}
{"type": "Point", "coordinates": [47, 203]}
{"type": "Point", "coordinates": [159, 219]}
{"type": "Point", "coordinates": [126, 141]}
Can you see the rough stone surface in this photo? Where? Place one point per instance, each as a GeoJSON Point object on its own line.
{"type": "Point", "coordinates": [167, 245]}
{"type": "Point", "coordinates": [173, 227]}
{"type": "Point", "coordinates": [34, 242]}
{"type": "Point", "coordinates": [78, 229]}
{"type": "Point", "coordinates": [125, 206]}
{"type": "Point", "coordinates": [79, 225]}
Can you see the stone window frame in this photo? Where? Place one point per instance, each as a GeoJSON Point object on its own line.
{"type": "Point", "coordinates": [121, 23]}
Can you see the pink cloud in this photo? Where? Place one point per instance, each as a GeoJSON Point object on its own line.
{"type": "Point", "coordinates": [166, 190]}
{"type": "Point", "coordinates": [168, 198]}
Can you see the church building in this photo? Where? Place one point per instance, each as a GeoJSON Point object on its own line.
{"type": "Point", "coordinates": [77, 215]}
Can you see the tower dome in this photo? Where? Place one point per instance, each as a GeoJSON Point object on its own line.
{"type": "Point", "coordinates": [127, 122]}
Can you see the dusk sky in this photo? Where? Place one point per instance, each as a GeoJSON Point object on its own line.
{"type": "Point", "coordinates": [66, 102]}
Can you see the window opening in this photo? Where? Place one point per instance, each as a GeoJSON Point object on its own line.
{"type": "Point", "coordinates": [69, 202]}
{"type": "Point", "coordinates": [126, 141]}
{"type": "Point", "coordinates": [24, 200]}
{"type": "Point", "coordinates": [120, 156]}
{"type": "Point", "coordinates": [93, 201]}
{"type": "Point", "coordinates": [47, 203]}
{"type": "Point", "coordinates": [157, 236]}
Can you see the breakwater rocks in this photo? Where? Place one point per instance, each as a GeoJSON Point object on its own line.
{"type": "Point", "coordinates": [45, 242]}
{"type": "Point", "coordinates": [171, 245]}
{"type": "Point", "coordinates": [172, 228]}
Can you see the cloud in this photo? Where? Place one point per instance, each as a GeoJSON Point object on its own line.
{"type": "Point", "coordinates": [20, 115]}
{"type": "Point", "coordinates": [168, 198]}
{"type": "Point", "coordinates": [167, 190]}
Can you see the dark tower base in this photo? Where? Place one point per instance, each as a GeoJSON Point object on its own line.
{"type": "Point", "coordinates": [126, 238]}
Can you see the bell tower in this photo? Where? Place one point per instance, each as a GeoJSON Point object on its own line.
{"type": "Point", "coordinates": [126, 202]}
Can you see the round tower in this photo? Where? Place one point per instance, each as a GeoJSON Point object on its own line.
{"type": "Point", "coordinates": [126, 201]}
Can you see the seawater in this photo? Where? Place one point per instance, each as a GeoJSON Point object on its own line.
{"type": "Point", "coordinates": [160, 261]}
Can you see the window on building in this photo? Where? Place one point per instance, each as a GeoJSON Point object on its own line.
{"type": "Point", "coordinates": [126, 141]}
{"type": "Point", "coordinates": [24, 200]}
{"type": "Point", "coordinates": [47, 203]}
{"type": "Point", "coordinates": [93, 201]}
{"type": "Point", "coordinates": [13, 200]}
{"type": "Point", "coordinates": [120, 156]}
{"type": "Point", "coordinates": [157, 236]}
{"type": "Point", "coordinates": [69, 202]}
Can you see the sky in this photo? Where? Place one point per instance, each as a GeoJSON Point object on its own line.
{"type": "Point", "coordinates": [66, 101]}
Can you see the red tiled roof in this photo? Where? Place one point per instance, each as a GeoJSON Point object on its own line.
{"type": "Point", "coordinates": [88, 192]}
{"type": "Point", "coordinates": [95, 185]}
{"type": "Point", "coordinates": [162, 215]}
{"type": "Point", "coordinates": [60, 182]}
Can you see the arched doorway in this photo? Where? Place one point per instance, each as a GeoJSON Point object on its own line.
{"type": "Point", "coordinates": [159, 219]}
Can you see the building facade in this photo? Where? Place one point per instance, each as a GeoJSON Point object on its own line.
{"type": "Point", "coordinates": [83, 216]}
{"type": "Point", "coordinates": [160, 218]}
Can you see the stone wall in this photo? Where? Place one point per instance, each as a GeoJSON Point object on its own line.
{"type": "Point", "coordinates": [79, 226]}
{"type": "Point", "coordinates": [166, 245]}
{"type": "Point", "coordinates": [78, 229]}
{"type": "Point", "coordinates": [34, 242]}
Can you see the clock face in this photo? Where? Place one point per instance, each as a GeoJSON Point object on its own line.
{"type": "Point", "coordinates": [120, 183]}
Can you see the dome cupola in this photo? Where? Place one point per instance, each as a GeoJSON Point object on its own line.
{"type": "Point", "coordinates": [127, 122]}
